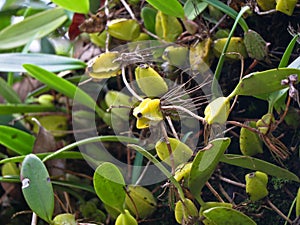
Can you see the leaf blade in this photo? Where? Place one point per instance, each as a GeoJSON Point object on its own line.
{"type": "Point", "coordinates": [38, 26]}
{"type": "Point", "coordinates": [79, 6]}
{"type": "Point", "coordinates": [8, 93]}
{"type": "Point", "coordinates": [12, 62]}
{"type": "Point", "coordinates": [170, 7]}
{"type": "Point", "coordinates": [18, 141]}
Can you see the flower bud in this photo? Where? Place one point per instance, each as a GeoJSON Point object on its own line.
{"type": "Point", "coordinates": [217, 111]}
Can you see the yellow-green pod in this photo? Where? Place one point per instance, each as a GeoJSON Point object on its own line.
{"type": "Point", "coordinates": [167, 27]}
{"type": "Point", "coordinates": [256, 46]}
{"type": "Point", "coordinates": [99, 39]}
{"type": "Point", "coordinates": [147, 112]}
{"type": "Point", "coordinates": [256, 185]}
{"type": "Point", "coordinates": [263, 124]}
{"type": "Point", "coordinates": [183, 171]}
{"type": "Point", "coordinates": [46, 99]}
{"type": "Point", "coordinates": [266, 5]}
{"type": "Point", "coordinates": [10, 169]}
{"type": "Point", "coordinates": [55, 124]}
{"type": "Point", "coordinates": [217, 111]}
{"type": "Point", "coordinates": [124, 29]}
{"type": "Point", "coordinates": [142, 37]}
{"type": "Point", "coordinates": [250, 143]}
{"type": "Point", "coordinates": [126, 218]}
{"type": "Point", "coordinates": [119, 100]}
{"type": "Point", "coordinates": [236, 44]}
{"type": "Point", "coordinates": [150, 82]}
{"type": "Point", "coordinates": [298, 203]}
{"type": "Point", "coordinates": [140, 201]}
{"type": "Point", "coordinates": [64, 219]}
{"type": "Point", "coordinates": [181, 152]}
{"type": "Point", "coordinates": [104, 65]}
{"type": "Point", "coordinates": [286, 6]}
{"type": "Point", "coordinates": [176, 55]}
{"type": "Point", "coordinates": [201, 56]}
{"type": "Point", "coordinates": [185, 211]}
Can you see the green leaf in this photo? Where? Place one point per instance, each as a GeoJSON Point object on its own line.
{"type": "Point", "coordinates": [37, 26]}
{"type": "Point", "coordinates": [6, 109]}
{"type": "Point", "coordinates": [205, 163]}
{"type": "Point", "coordinates": [259, 165]}
{"type": "Point", "coordinates": [12, 62]}
{"type": "Point", "coordinates": [79, 6]}
{"type": "Point", "coordinates": [229, 11]}
{"type": "Point", "coordinates": [109, 185]}
{"type": "Point", "coordinates": [170, 7]}
{"type": "Point", "coordinates": [63, 86]}
{"type": "Point", "coordinates": [37, 188]}
{"type": "Point", "coordinates": [288, 51]}
{"type": "Point", "coordinates": [193, 8]}
{"type": "Point", "coordinates": [16, 140]}
{"type": "Point", "coordinates": [224, 216]}
{"type": "Point", "coordinates": [265, 82]}
{"type": "Point", "coordinates": [7, 92]}
{"type": "Point", "coordinates": [148, 15]}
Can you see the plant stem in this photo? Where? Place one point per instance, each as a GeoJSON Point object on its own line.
{"type": "Point", "coordinates": [222, 57]}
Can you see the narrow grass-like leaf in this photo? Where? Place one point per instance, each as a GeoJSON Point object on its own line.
{"type": "Point", "coordinates": [12, 62]}
{"type": "Point", "coordinates": [265, 82]}
{"type": "Point", "coordinates": [76, 185]}
{"type": "Point", "coordinates": [63, 86]}
{"type": "Point", "coordinates": [6, 109]}
{"type": "Point", "coordinates": [92, 140]}
{"type": "Point", "coordinates": [79, 6]}
{"type": "Point", "coordinates": [288, 51]}
{"type": "Point", "coordinates": [8, 93]}
{"type": "Point", "coordinates": [205, 163]}
{"type": "Point", "coordinates": [63, 155]}
{"type": "Point", "coordinates": [229, 11]}
{"type": "Point", "coordinates": [170, 7]}
{"type": "Point", "coordinates": [16, 140]}
{"type": "Point", "coordinates": [259, 165]}
{"type": "Point", "coordinates": [109, 185]}
{"type": "Point", "coordinates": [38, 26]}
{"type": "Point", "coordinates": [37, 188]}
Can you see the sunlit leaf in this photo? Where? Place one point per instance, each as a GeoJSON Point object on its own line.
{"type": "Point", "coordinates": [260, 165]}
{"type": "Point", "coordinates": [6, 109]}
{"type": "Point", "coordinates": [205, 163]}
{"type": "Point", "coordinates": [109, 185]}
{"type": "Point", "coordinates": [16, 140]}
{"type": "Point", "coordinates": [79, 6]}
{"type": "Point", "coordinates": [225, 216]}
{"type": "Point", "coordinates": [170, 7]}
{"type": "Point", "coordinates": [63, 86]}
{"type": "Point", "coordinates": [12, 62]}
{"type": "Point", "coordinates": [36, 26]}
{"type": "Point", "coordinates": [268, 81]}
{"type": "Point", "coordinates": [37, 188]}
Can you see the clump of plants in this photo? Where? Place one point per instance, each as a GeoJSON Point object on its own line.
{"type": "Point", "coordinates": [141, 118]}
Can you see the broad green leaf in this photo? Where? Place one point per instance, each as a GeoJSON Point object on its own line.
{"type": "Point", "coordinates": [109, 185]}
{"type": "Point", "coordinates": [8, 93]}
{"type": "Point", "coordinates": [259, 165]}
{"type": "Point", "coordinates": [12, 62]}
{"type": "Point", "coordinates": [205, 163]}
{"type": "Point", "coordinates": [37, 188]}
{"type": "Point", "coordinates": [170, 7]}
{"type": "Point", "coordinates": [63, 86]}
{"type": "Point", "coordinates": [193, 8]}
{"type": "Point", "coordinates": [148, 15]}
{"type": "Point", "coordinates": [6, 109]}
{"type": "Point", "coordinates": [37, 26]}
{"type": "Point", "coordinates": [16, 140]}
{"type": "Point", "coordinates": [268, 81]}
{"type": "Point", "coordinates": [79, 6]}
{"type": "Point", "coordinates": [224, 216]}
